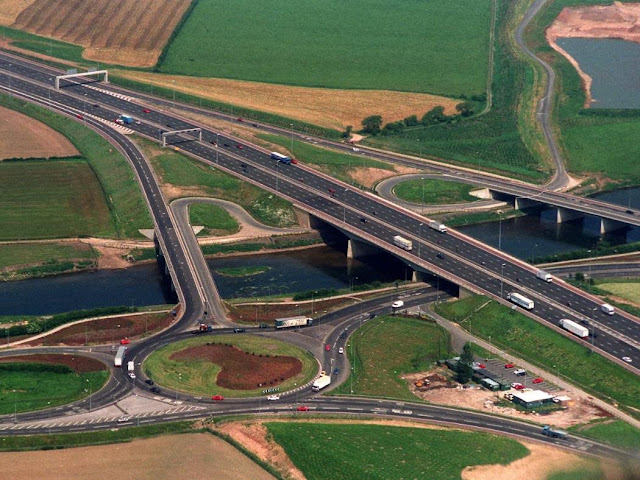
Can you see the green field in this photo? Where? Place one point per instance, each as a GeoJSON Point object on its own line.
{"type": "Point", "coordinates": [182, 171]}
{"type": "Point", "coordinates": [385, 348]}
{"type": "Point", "coordinates": [199, 378]}
{"type": "Point", "coordinates": [434, 192]}
{"type": "Point", "coordinates": [33, 253]}
{"type": "Point", "coordinates": [52, 199]}
{"type": "Point", "coordinates": [629, 290]}
{"type": "Point", "coordinates": [335, 451]}
{"type": "Point", "coordinates": [535, 343]}
{"type": "Point", "coordinates": [443, 44]}
{"type": "Point", "coordinates": [44, 45]}
{"type": "Point", "coordinates": [33, 386]}
{"type": "Point", "coordinates": [614, 432]}
{"type": "Point", "coordinates": [127, 210]}
{"type": "Point", "coordinates": [215, 219]}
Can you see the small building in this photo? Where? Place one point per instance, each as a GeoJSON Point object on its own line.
{"type": "Point", "coordinates": [563, 400]}
{"type": "Point", "coordinates": [532, 398]}
{"type": "Point", "coordinates": [490, 384]}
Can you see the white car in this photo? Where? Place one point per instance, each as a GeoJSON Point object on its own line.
{"type": "Point", "coordinates": [520, 372]}
{"type": "Point", "coordinates": [397, 304]}
{"type": "Point", "coordinates": [124, 419]}
{"type": "Point", "coordinates": [132, 375]}
{"type": "Point", "coordinates": [341, 350]}
{"type": "Point", "coordinates": [627, 359]}
{"type": "Point", "coordinates": [273, 397]}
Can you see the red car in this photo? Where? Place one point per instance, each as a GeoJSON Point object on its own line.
{"type": "Point", "coordinates": [240, 119]}
{"type": "Point", "coordinates": [537, 380]}
{"type": "Point", "coordinates": [303, 408]}
{"type": "Point", "coordinates": [294, 161]}
{"type": "Point", "coordinates": [482, 365]}
{"type": "Point", "coordinates": [79, 116]}
{"type": "Point", "coordinates": [509, 365]}
{"type": "Point", "coordinates": [332, 191]}
{"type": "Point", "coordinates": [517, 386]}
{"type": "Point", "coordinates": [146, 110]}
{"type": "Point", "coordinates": [327, 347]}
{"type": "Point", "coordinates": [217, 398]}
{"type": "Point", "coordinates": [125, 341]}
{"type": "Point", "coordinates": [239, 146]}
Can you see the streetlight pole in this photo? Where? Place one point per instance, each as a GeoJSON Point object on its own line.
{"type": "Point", "coordinates": [291, 124]}
{"type": "Point", "coordinates": [217, 147]}
{"type": "Point", "coordinates": [502, 278]}
{"type": "Point", "coordinates": [500, 230]}
{"type": "Point", "coordinates": [344, 207]}
{"type": "Point", "coordinates": [420, 241]}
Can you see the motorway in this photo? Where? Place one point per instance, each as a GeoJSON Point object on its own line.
{"type": "Point", "coordinates": [452, 256]}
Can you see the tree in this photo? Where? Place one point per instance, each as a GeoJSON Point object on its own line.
{"type": "Point", "coordinates": [371, 125]}
{"type": "Point", "coordinates": [465, 109]}
{"type": "Point", "coordinates": [465, 364]}
{"type": "Point", "coordinates": [393, 127]}
{"type": "Point", "coordinates": [579, 277]}
{"type": "Point", "coordinates": [347, 132]}
{"type": "Point", "coordinates": [411, 121]}
{"type": "Point", "coordinates": [434, 116]}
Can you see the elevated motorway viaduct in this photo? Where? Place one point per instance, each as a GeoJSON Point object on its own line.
{"type": "Point", "coordinates": [452, 256]}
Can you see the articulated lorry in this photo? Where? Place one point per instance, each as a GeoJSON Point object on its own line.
{"type": "Point", "coordinates": [117, 361]}
{"type": "Point", "coordinates": [299, 321]}
{"type": "Point", "coordinates": [553, 432]}
{"type": "Point", "coordinates": [321, 382]}
{"type": "Point", "coordinates": [521, 300]}
{"type": "Point", "coordinates": [281, 158]}
{"type": "Point", "coordinates": [574, 328]}
{"type": "Point", "coordinates": [402, 242]}
{"type": "Point", "coordinates": [126, 119]}
{"type": "Point", "coordinates": [439, 227]}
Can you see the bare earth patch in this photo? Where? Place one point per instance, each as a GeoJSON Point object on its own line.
{"type": "Point", "coordinates": [331, 108]}
{"type": "Point", "coordinates": [242, 370]}
{"type": "Point", "coordinates": [76, 362]}
{"type": "Point", "coordinates": [10, 9]}
{"type": "Point", "coordinates": [620, 20]}
{"type": "Point", "coordinates": [443, 391]}
{"type": "Point", "coordinates": [188, 456]}
{"type": "Point", "coordinates": [24, 137]}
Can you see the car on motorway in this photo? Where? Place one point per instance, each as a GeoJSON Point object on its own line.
{"type": "Point", "coordinates": [125, 341]}
{"type": "Point", "coordinates": [137, 122]}
{"type": "Point", "coordinates": [509, 365]}
{"type": "Point", "coordinates": [397, 304]}
{"type": "Point", "coordinates": [627, 359]}
{"type": "Point", "coordinates": [79, 116]}
{"type": "Point", "coordinates": [240, 119]}
{"type": "Point", "coordinates": [630, 212]}
{"type": "Point", "coordinates": [336, 371]}
{"type": "Point", "coordinates": [520, 372]}
{"type": "Point", "coordinates": [148, 381]}
{"type": "Point", "coordinates": [327, 347]}
{"type": "Point", "coordinates": [439, 255]}
{"type": "Point", "coordinates": [132, 375]}
{"type": "Point", "coordinates": [146, 110]}
{"type": "Point", "coordinates": [537, 380]}
{"type": "Point", "coordinates": [217, 398]}
{"type": "Point", "coordinates": [155, 390]}
{"type": "Point", "coordinates": [124, 419]}
{"type": "Point", "coordinates": [119, 121]}
{"type": "Point", "coordinates": [294, 161]}
{"type": "Point", "coordinates": [95, 105]}
{"type": "Point", "coordinates": [332, 191]}
{"type": "Point", "coordinates": [238, 146]}
{"type": "Point", "coordinates": [517, 386]}
{"type": "Point", "coordinates": [363, 220]}
{"type": "Point", "coordinates": [239, 330]}
{"type": "Point", "coordinates": [263, 325]}
{"type": "Point", "coordinates": [341, 350]}
{"type": "Point", "coordinates": [273, 398]}
{"type": "Point", "coordinates": [302, 408]}
{"type": "Point", "coordinates": [226, 145]}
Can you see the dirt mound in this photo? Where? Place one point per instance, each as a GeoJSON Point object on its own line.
{"type": "Point", "coordinates": [76, 362]}
{"type": "Point", "coordinates": [243, 370]}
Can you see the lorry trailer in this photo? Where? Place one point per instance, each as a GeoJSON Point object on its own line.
{"type": "Point", "coordinates": [127, 119]}
{"type": "Point", "coordinates": [117, 361]}
{"type": "Point", "coordinates": [299, 321]}
{"type": "Point", "coordinates": [403, 243]}
{"type": "Point", "coordinates": [542, 275]}
{"type": "Point", "coordinates": [281, 158]}
{"type": "Point", "coordinates": [439, 227]}
{"type": "Point", "coordinates": [574, 328]}
{"type": "Point", "coordinates": [321, 382]}
{"type": "Point", "coordinates": [521, 300]}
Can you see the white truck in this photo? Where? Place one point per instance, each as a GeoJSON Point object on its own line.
{"type": "Point", "coordinates": [299, 321]}
{"type": "Point", "coordinates": [608, 309]}
{"type": "Point", "coordinates": [320, 383]}
{"type": "Point", "coordinates": [130, 366]}
{"type": "Point", "coordinates": [439, 227]}
{"type": "Point", "coordinates": [521, 300]}
{"type": "Point", "coordinates": [403, 243]}
{"type": "Point", "coordinates": [117, 361]}
{"type": "Point", "coordinates": [574, 328]}
{"type": "Point", "coordinates": [542, 275]}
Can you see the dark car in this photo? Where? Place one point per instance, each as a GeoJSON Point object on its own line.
{"type": "Point", "coordinates": [263, 325]}
{"type": "Point", "coordinates": [363, 220]}
{"type": "Point", "coordinates": [243, 166]}
{"type": "Point", "coordinates": [226, 145]}
{"type": "Point", "coordinates": [95, 105]}
{"type": "Point", "coordinates": [148, 381]}
{"type": "Point", "coordinates": [336, 371]}
{"type": "Point", "coordinates": [240, 119]}
{"type": "Point", "coordinates": [254, 125]}
{"type": "Point", "coordinates": [439, 255]}
{"type": "Point", "coordinates": [630, 212]}
{"type": "Point", "coordinates": [343, 335]}
{"type": "Point", "coordinates": [155, 390]}
{"type": "Point", "coordinates": [239, 330]}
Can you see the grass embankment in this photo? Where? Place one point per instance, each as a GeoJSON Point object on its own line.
{"type": "Point", "coordinates": [380, 451]}
{"type": "Point", "coordinates": [537, 344]}
{"type": "Point", "coordinates": [434, 192]}
{"type": "Point", "coordinates": [492, 141]}
{"type": "Point", "coordinates": [44, 45]}
{"type": "Point", "coordinates": [39, 259]}
{"type": "Point", "coordinates": [196, 178]}
{"type": "Point", "coordinates": [68, 440]}
{"type": "Point", "coordinates": [126, 209]}
{"type": "Point", "coordinates": [199, 377]}
{"type": "Point", "coordinates": [339, 165]}
{"type": "Point", "coordinates": [613, 432]}
{"type": "Point", "coordinates": [242, 271]}
{"type": "Point", "coordinates": [215, 219]}
{"type": "Point", "coordinates": [33, 386]}
{"type": "Point", "coordinates": [593, 140]}
{"type": "Point", "coordinates": [628, 289]}
{"type": "Point", "coordinates": [385, 348]}
{"type": "Point", "coordinates": [267, 41]}
{"type": "Point", "coordinates": [478, 217]}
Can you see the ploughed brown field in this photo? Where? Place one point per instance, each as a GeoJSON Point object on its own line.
{"type": "Point", "coordinates": [127, 32]}
{"type": "Point", "coordinates": [76, 362]}
{"type": "Point", "coordinates": [242, 370]}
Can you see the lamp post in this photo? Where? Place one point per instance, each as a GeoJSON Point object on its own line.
{"type": "Point", "coordinates": [217, 149]}
{"type": "Point", "coordinates": [291, 124]}
{"type": "Point", "coordinates": [502, 278]}
{"type": "Point", "coordinates": [593, 327]}
{"type": "Point", "coordinates": [89, 383]}
{"type": "Point", "coordinates": [420, 241]}
{"type": "Point", "coordinates": [15, 407]}
{"type": "Point", "coordinates": [500, 230]}
{"type": "Point", "coordinates": [313, 299]}
{"type": "Point", "coordinates": [344, 207]}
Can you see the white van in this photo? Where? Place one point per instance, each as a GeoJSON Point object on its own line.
{"type": "Point", "coordinates": [397, 304]}
{"type": "Point", "coordinates": [608, 309]}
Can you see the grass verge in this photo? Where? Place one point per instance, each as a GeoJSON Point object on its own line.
{"type": "Point", "coordinates": [537, 344]}
{"type": "Point", "coordinates": [199, 377]}
{"type": "Point", "coordinates": [319, 450]}
{"type": "Point", "coordinates": [613, 432]}
{"type": "Point", "coordinates": [37, 258]}
{"type": "Point", "coordinates": [434, 192]}
{"type": "Point", "coordinates": [215, 219]}
{"type": "Point", "coordinates": [384, 348]}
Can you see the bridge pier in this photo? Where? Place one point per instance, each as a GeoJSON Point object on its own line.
{"type": "Point", "coordinates": [521, 203]}
{"type": "Point", "coordinates": [607, 225]}
{"type": "Point", "coordinates": [566, 215]}
{"type": "Point", "coordinates": [358, 249]}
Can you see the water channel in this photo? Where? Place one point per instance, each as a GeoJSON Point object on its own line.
{"type": "Point", "coordinates": [614, 66]}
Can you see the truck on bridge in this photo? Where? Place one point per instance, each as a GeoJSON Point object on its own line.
{"type": "Point", "coordinates": [574, 328]}
{"type": "Point", "coordinates": [437, 226]}
{"type": "Point", "coordinates": [403, 243]}
{"type": "Point", "coordinates": [117, 361]}
{"type": "Point", "coordinates": [281, 158]}
{"type": "Point", "coordinates": [299, 321]}
{"type": "Point", "coordinates": [521, 300]}
{"type": "Point", "coordinates": [542, 275]}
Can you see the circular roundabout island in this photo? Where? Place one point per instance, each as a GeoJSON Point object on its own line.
{"type": "Point", "coordinates": [234, 366]}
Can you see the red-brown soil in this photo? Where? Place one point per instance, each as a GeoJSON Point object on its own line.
{"type": "Point", "coordinates": [77, 363]}
{"type": "Point", "coordinates": [243, 370]}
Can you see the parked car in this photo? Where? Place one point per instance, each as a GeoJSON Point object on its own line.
{"type": "Point", "coordinates": [239, 330]}
{"type": "Point", "coordinates": [148, 381]}
{"type": "Point", "coordinates": [520, 372]}
{"type": "Point", "coordinates": [132, 375]}
{"type": "Point", "coordinates": [509, 365]}
{"type": "Point", "coordinates": [341, 350]}
{"type": "Point", "coordinates": [263, 325]}
{"type": "Point", "coordinates": [155, 390]}
{"type": "Point", "coordinates": [303, 408]}
{"type": "Point", "coordinates": [217, 398]}
{"type": "Point", "coordinates": [124, 419]}
{"type": "Point", "coordinates": [537, 380]}
{"type": "Point", "coordinates": [517, 386]}
{"type": "Point", "coordinates": [273, 397]}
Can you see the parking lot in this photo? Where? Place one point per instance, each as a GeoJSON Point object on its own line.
{"type": "Point", "coordinates": [495, 369]}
